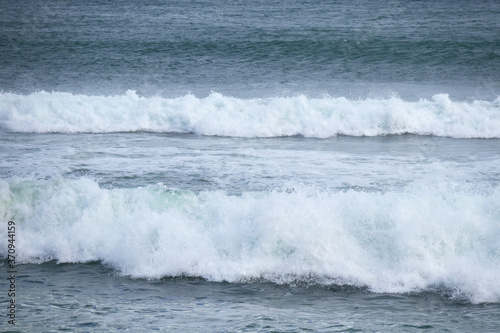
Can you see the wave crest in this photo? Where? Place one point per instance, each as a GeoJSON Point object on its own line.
{"type": "Point", "coordinates": [220, 115]}
{"type": "Point", "coordinates": [415, 239]}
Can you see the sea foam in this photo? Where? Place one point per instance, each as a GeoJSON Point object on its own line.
{"type": "Point", "coordinates": [219, 115]}
{"type": "Point", "coordinates": [430, 236]}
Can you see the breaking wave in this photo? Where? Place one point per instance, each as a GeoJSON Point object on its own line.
{"type": "Point", "coordinates": [219, 115]}
{"type": "Point", "coordinates": [419, 238]}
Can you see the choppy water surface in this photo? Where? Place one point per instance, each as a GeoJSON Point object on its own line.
{"type": "Point", "coordinates": [252, 166]}
{"type": "Point", "coordinates": [90, 297]}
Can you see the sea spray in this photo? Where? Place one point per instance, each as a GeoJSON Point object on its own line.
{"type": "Point", "coordinates": [220, 115]}
{"type": "Point", "coordinates": [424, 236]}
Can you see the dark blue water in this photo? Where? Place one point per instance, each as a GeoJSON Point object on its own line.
{"type": "Point", "coordinates": [252, 48]}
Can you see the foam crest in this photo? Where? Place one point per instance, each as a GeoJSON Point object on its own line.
{"type": "Point", "coordinates": [420, 238]}
{"type": "Point", "coordinates": [220, 115]}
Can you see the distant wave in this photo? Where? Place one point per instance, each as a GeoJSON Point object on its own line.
{"type": "Point", "coordinates": [421, 238]}
{"type": "Point", "coordinates": [220, 115]}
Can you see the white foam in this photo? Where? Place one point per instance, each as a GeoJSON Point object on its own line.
{"type": "Point", "coordinates": [429, 235]}
{"type": "Point", "coordinates": [227, 116]}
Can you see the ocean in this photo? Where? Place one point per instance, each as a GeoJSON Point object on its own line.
{"type": "Point", "coordinates": [250, 166]}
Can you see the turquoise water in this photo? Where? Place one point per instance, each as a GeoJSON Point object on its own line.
{"type": "Point", "coordinates": [251, 166]}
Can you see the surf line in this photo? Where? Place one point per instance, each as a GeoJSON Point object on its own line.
{"type": "Point", "coordinates": [11, 271]}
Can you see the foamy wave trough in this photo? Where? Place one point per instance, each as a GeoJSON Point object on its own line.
{"type": "Point", "coordinates": [419, 238]}
{"type": "Point", "coordinates": [220, 115]}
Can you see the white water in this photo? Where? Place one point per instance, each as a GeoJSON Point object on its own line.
{"type": "Point", "coordinates": [220, 115]}
{"type": "Point", "coordinates": [430, 234]}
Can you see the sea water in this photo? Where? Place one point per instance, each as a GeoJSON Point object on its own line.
{"type": "Point", "coordinates": [251, 166]}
